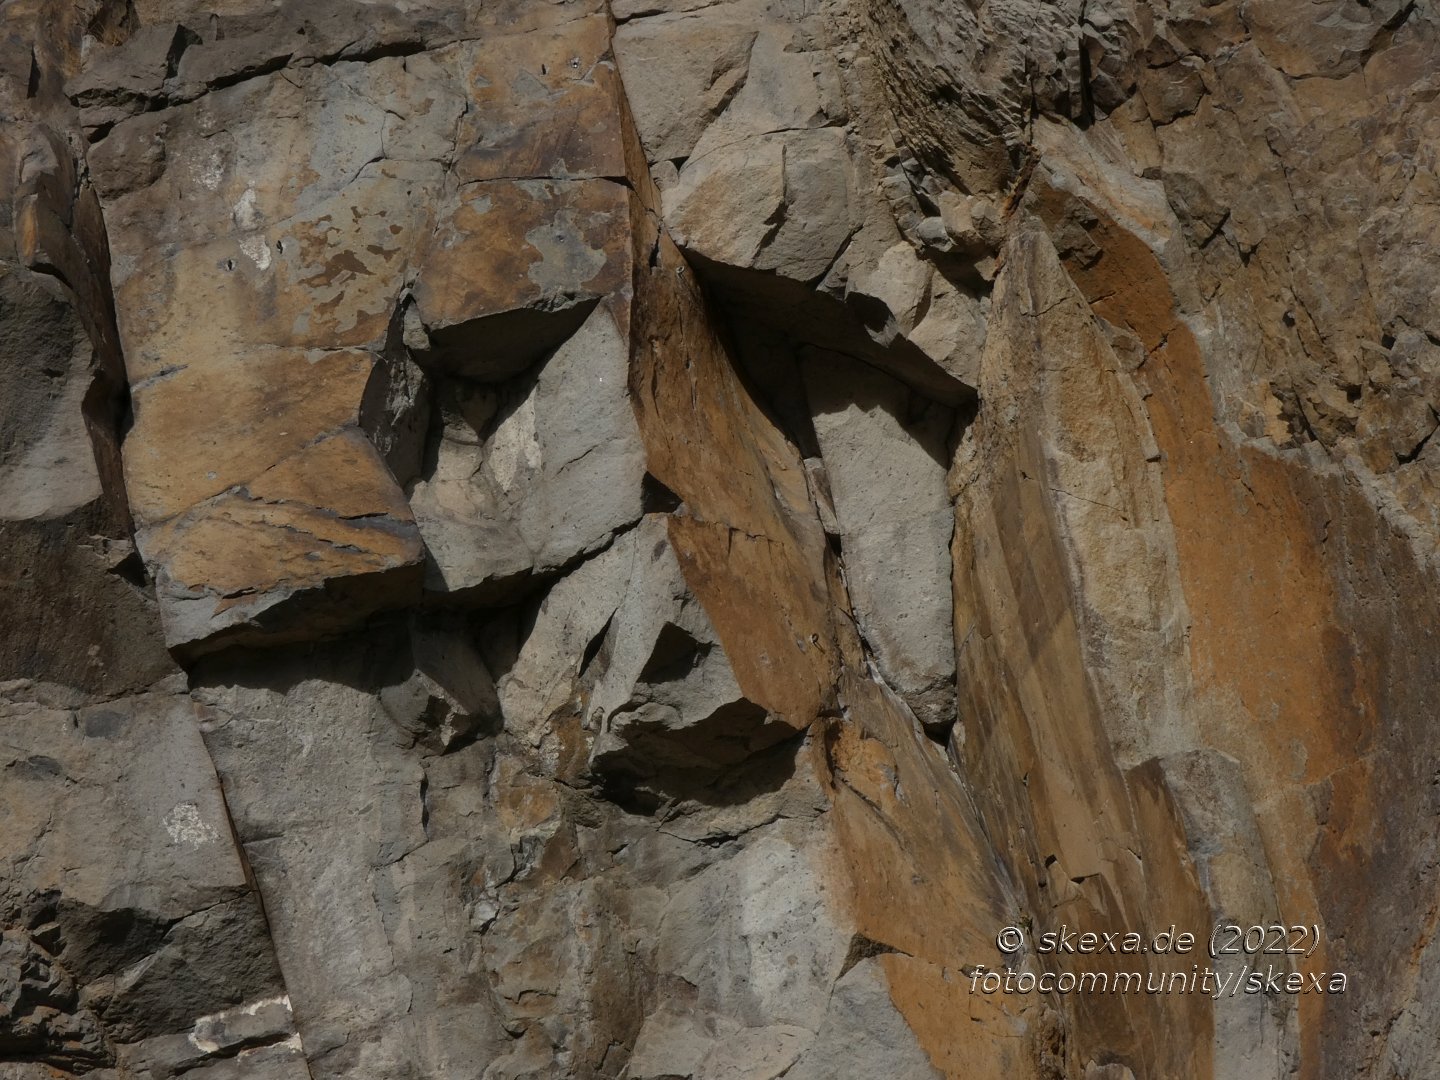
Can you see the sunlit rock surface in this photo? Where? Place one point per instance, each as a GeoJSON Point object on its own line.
{"type": "Point", "coordinates": [629, 540]}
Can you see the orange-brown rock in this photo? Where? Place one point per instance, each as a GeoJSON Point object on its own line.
{"type": "Point", "coordinates": [679, 540]}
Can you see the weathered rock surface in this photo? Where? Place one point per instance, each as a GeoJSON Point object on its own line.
{"type": "Point", "coordinates": [884, 453]}
{"type": "Point", "coordinates": [531, 476]}
{"type": "Point", "coordinates": [103, 969]}
{"type": "Point", "coordinates": [627, 540]}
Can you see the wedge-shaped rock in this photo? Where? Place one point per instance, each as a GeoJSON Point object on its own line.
{"type": "Point", "coordinates": [680, 73]}
{"type": "Point", "coordinates": [885, 454]}
{"type": "Point", "coordinates": [625, 632]}
{"type": "Point", "coordinates": [529, 478]}
{"type": "Point", "coordinates": [303, 549]}
{"type": "Point", "coordinates": [782, 203]}
{"type": "Point", "coordinates": [276, 400]}
{"type": "Point", "coordinates": [750, 538]}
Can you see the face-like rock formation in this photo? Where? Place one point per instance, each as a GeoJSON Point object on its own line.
{"type": "Point", "coordinates": [631, 539]}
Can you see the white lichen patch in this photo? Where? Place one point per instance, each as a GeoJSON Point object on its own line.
{"type": "Point", "coordinates": [515, 447]}
{"type": "Point", "coordinates": [253, 1009]}
{"type": "Point", "coordinates": [256, 250]}
{"type": "Point", "coordinates": [187, 827]}
{"type": "Point", "coordinates": [245, 213]}
{"type": "Point", "coordinates": [211, 173]}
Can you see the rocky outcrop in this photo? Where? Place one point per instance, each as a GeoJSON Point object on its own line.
{"type": "Point", "coordinates": [631, 539]}
{"type": "Point", "coordinates": [884, 452]}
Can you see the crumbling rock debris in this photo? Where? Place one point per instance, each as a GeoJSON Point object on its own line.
{"type": "Point", "coordinates": [40, 1020]}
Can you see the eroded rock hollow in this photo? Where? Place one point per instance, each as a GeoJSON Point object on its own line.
{"type": "Point", "coordinates": [633, 538]}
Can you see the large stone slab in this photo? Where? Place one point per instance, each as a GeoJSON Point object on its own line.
{"type": "Point", "coordinates": [103, 958]}
{"type": "Point", "coordinates": [288, 238]}
{"type": "Point", "coordinates": [885, 455]}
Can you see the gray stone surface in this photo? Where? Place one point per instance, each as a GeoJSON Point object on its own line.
{"type": "Point", "coordinates": [863, 1033]}
{"type": "Point", "coordinates": [773, 202]}
{"type": "Point", "coordinates": [681, 71]}
{"type": "Point", "coordinates": [528, 479]}
{"type": "Point", "coordinates": [886, 453]}
{"type": "Point", "coordinates": [103, 954]}
{"type": "Point", "coordinates": [493, 405]}
{"type": "Point", "coordinates": [47, 464]}
{"type": "Point", "coordinates": [397, 879]}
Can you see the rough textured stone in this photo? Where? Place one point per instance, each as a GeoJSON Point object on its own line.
{"type": "Point", "coordinates": [102, 957]}
{"type": "Point", "coordinates": [629, 540]}
{"type": "Point", "coordinates": [681, 71]}
{"type": "Point", "coordinates": [885, 459]}
{"type": "Point", "coordinates": [864, 1033]}
{"type": "Point", "coordinates": [64, 523]}
{"type": "Point", "coordinates": [515, 268]}
{"type": "Point", "coordinates": [777, 203]}
{"type": "Point", "coordinates": [49, 465]}
{"type": "Point", "coordinates": [530, 477]}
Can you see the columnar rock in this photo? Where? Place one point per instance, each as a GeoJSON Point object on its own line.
{"type": "Point", "coordinates": [884, 462]}
{"type": "Point", "coordinates": [630, 539]}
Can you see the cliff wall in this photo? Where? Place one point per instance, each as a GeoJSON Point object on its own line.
{"type": "Point", "coordinates": [631, 539]}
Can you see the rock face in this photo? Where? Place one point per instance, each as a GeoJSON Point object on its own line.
{"type": "Point", "coordinates": [631, 539]}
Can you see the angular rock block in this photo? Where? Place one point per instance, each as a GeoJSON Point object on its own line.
{"type": "Point", "coordinates": [295, 245]}
{"type": "Point", "coordinates": [101, 960]}
{"type": "Point", "coordinates": [885, 453]}
{"type": "Point", "coordinates": [531, 475]}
